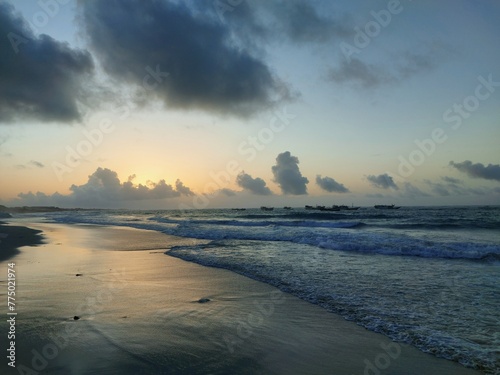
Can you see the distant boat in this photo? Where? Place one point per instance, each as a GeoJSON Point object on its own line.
{"type": "Point", "coordinates": [347, 208]}
{"type": "Point", "coordinates": [386, 207]}
{"type": "Point", "coordinates": [333, 208]}
{"type": "Point", "coordinates": [264, 208]}
{"type": "Point", "coordinates": [238, 209]}
{"type": "Point", "coordinates": [287, 208]}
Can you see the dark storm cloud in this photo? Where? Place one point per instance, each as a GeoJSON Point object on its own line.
{"type": "Point", "coordinates": [287, 175]}
{"type": "Point", "coordinates": [40, 78]}
{"type": "Point", "coordinates": [330, 185]}
{"type": "Point", "coordinates": [254, 185]}
{"type": "Point", "coordinates": [188, 59]}
{"type": "Point", "coordinates": [478, 170]}
{"type": "Point", "coordinates": [383, 181]}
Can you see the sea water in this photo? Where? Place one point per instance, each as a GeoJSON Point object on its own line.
{"type": "Point", "coordinates": [426, 276]}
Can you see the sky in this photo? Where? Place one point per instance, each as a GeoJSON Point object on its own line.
{"type": "Point", "coordinates": [166, 104]}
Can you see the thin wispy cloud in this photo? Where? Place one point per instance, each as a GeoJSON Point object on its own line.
{"type": "Point", "coordinates": [411, 191]}
{"type": "Point", "coordinates": [36, 164]}
{"type": "Point", "coordinates": [227, 192]}
{"type": "Point", "coordinates": [402, 66]}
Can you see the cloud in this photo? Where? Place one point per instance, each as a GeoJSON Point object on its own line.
{"type": "Point", "coordinates": [451, 180]}
{"type": "Point", "coordinates": [453, 186]}
{"type": "Point", "coordinates": [298, 21]}
{"type": "Point", "coordinates": [40, 78]}
{"type": "Point", "coordinates": [183, 190]}
{"type": "Point", "coordinates": [478, 170]}
{"type": "Point", "coordinates": [450, 186]}
{"type": "Point", "coordinates": [305, 24]}
{"type": "Point", "coordinates": [330, 185]}
{"type": "Point", "coordinates": [187, 58]}
{"type": "Point", "coordinates": [376, 196]}
{"type": "Point", "coordinates": [440, 189]}
{"type": "Point", "coordinates": [37, 164]}
{"type": "Point", "coordinates": [287, 174]}
{"type": "Point", "coordinates": [104, 188]}
{"type": "Point", "coordinates": [411, 191]}
{"type": "Point", "coordinates": [104, 185]}
{"type": "Point", "coordinates": [254, 185]}
{"type": "Point", "coordinates": [403, 66]}
{"type": "Point", "coordinates": [383, 181]}
{"type": "Point", "coordinates": [359, 72]}
{"type": "Point", "coordinates": [227, 192]}
{"type": "Point", "coordinates": [302, 23]}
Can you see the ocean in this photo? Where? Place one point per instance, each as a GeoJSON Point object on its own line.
{"type": "Point", "coordinates": [426, 276]}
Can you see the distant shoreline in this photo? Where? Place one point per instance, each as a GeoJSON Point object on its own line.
{"type": "Point", "coordinates": [35, 209]}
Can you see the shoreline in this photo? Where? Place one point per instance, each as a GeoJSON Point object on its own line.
{"type": "Point", "coordinates": [12, 237]}
{"type": "Point", "coordinates": [141, 311]}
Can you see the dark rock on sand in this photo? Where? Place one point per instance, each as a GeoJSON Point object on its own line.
{"type": "Point", "coordinates": [204, 300]}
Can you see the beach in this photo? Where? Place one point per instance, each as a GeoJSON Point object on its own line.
{"type": "Point", "coordinates": [108, 300]}
{"type": "Point", "coordinates": [13, 237]}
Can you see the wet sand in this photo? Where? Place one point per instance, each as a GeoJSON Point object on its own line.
{"type": "Point", "coordinates": [13, 237]}
{"type": "Point", "coordinates": [143, 312]}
